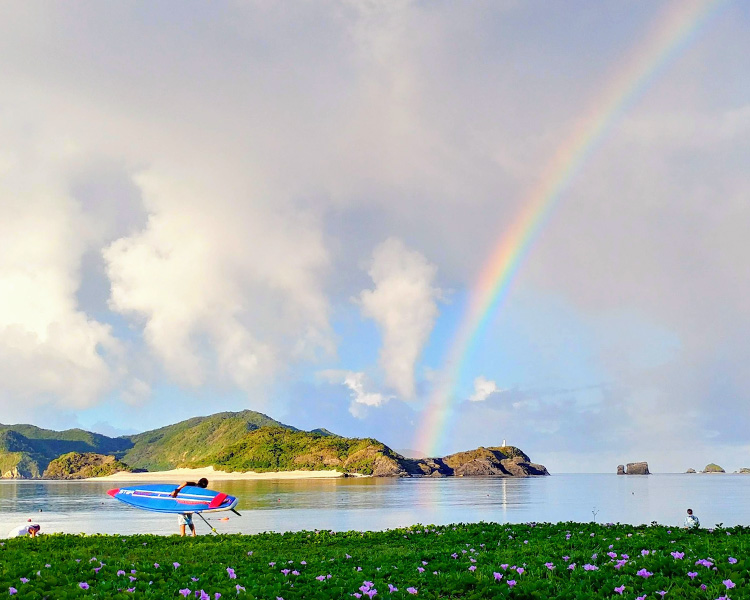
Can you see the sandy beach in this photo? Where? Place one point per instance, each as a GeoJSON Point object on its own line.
{"type": "Point", "coordinates": [179, 475]}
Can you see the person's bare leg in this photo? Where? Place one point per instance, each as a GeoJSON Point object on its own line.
{"type": "Point", "coordinates": [192, 528]}
{"type": "Point", "coordinates": [182, 530]}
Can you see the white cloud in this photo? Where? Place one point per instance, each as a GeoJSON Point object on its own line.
{"type": "Point", "coordinates": [50, 351]}
{"type": "Point", "coordinates": [404, 305]}
{"type": "Point", "coordinates": [483, 389]}
{"type": "Point", "coordinates": [357, 383]}
{"type": "Point", "coordinates": [224, 288]}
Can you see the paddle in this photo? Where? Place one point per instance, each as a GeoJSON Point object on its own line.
{"type": "Point", "coordinates": [207, 523]}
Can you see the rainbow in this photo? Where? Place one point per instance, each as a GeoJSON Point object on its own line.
{"type": "Point", "coordinates": [673, 30]}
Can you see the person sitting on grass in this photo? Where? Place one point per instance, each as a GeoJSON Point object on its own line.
{"type": "Point", "coordinates": [691, 521]}
{"type": "Point", "coordinates": [202, 483]}
{"type": "Point", "coordinates": [30, 529]}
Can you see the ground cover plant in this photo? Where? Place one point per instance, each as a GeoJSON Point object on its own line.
{"type": "Point", "coordinates": [481, 560]}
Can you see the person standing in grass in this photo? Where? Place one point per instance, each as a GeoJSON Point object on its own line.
{"type": "Point", "coordinates": [186, 519]}
{"type": "Point", "coordinates": [691, 521]}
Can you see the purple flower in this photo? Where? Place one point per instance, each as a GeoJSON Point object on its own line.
{"type": "Point", "coordinates": [549, 565]}
{"type": "Point", "coordinates": [132, 579]}
{"type": "Point", "coordinates": [321, 577]}
{"type": "Point", "coordinates": [12, 590]}
{"type": "Point", "coordinates": [620, 589]}
{"type": "Point", "coordinates": [411, 590]}
{"type": "Point", "coordinates": [612, 555]}
{"type": "Point", "coordinates": [239, 588]}
{"type": "Point", "coordinates": [472, 568]}
{"type": "Point", "coordinates": [662, 593]}
{"type": "Point", "coordinates": [302, 562]}
{"type": "Point", "coordinates": [371, 592]}
{"type": "Point", "coordinates": [498, 576]}
{"type": "Point", "coordinates": [284, 571]}
{"type": "Point", "coordinates": [678, 555]}
{"type": "Point", "coordinates": [641, 597]}
{"type": "Point", "coordinates": [131, 590]}
{"type": "Point", "coordinates": [729, 583]}
{"type": "Point", "coordinates": [703, 586]}
{"type": "Point", "coordinates": [644, 552]}
{"type": "Point", "coordinates": [420, 569]}
{"type": "Point", "coordinates": [392, 588]}
{"type": "Point", "coordinates": [571, 567]}
{"type": "Point", "coordinates": [175, 564]}
{"type": "Point", "coordinates": [504, 567]}
{"type": "Point", "coordinates": [567, 558]}
{"type": "Point", "coordinates": [732, 560]}
{"type": "Point", "coordinates": [692, 574]}
{"type": "Point", "coordinates": [272, 564]}
{"type": "Point", "coordinates": [217, 595]}
{"type": "Point", "coordinates": [83, 585]}
{"type": "Point", "coordinates": [520, 570]}
{"type": "Point", "coordinates": [156, 565]}
{"type": "Point", "coordinates": [588, 567]}
{"type": "Point", "coordinates": [24, 580]}
{"type": "Point", "coordinates": [185, 592]}
{"type": "Point", "coordinates": [511, 582]}
{"type": "Point", "coordinates": [120, 572]}
{"type": "Point", "coordinates": [357, 595]}
{"type": "Point", "coordinates": [644, 573]}
{"type": "Point", "coordinates": [295, 572]}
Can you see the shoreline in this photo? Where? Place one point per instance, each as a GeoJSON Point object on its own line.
{"type": "Point", "coordinates": [184, 474]}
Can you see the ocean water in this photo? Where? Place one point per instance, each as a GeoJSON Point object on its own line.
{"type": "Point", "coordinates": [375, 504]}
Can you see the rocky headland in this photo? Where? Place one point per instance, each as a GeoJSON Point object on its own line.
{"type": "Point", "coordinates": [83, 465]}
{"type": "Point", "coordinates": [242, 443]}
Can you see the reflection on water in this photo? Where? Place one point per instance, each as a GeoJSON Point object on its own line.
{"type": "Point", "coordinates": [374, 504]}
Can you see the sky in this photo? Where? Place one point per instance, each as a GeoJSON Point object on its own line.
{"type": "Point", "coordinates": [289, 207]}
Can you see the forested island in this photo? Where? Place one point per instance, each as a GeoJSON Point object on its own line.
{"type": "Point", "coordinates": [235, 441]}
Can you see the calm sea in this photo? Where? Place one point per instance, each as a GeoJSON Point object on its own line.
{"type": "Point", "coordinates": [376, 504]}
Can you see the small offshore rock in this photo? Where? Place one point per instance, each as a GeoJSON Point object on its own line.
{"type": "Point", "coordinates": [638, 468]}
{"type": "Point", "coordinates": [713, 468]}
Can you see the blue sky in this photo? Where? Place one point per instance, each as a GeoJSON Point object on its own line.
{"type": "Point", "coordinates": [286, 207]}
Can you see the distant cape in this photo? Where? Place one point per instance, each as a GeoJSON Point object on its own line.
{"type": "Point", "coordinates": [237, 441]}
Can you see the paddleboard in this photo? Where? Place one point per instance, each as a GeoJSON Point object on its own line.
{"type": "Point", "coordinates": [158, 497]}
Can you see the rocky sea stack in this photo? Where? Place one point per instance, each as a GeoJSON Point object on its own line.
{"type": "Point", "coordinates": [713, 468]}
{"type": "Point", "coordinates": [636, 468]}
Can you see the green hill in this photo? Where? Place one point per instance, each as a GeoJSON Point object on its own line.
{"type": "Point", "coordinates": [26, 450]}
{"type": "Point", "coordinates": [279, 449]}
{"type": "Point", "coordinates": [193, 440]}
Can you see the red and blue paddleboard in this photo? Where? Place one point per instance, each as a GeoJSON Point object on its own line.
{"type": "Point", "coordinates": [158, 497]}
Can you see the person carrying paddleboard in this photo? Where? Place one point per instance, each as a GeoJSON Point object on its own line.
{"type": "Point", "coordinates": [186, 519]}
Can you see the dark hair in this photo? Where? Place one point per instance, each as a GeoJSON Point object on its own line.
{"type": "Point", "coordinates": [203, 482]}
{"type": "Point", "coordinates": [690, 511]}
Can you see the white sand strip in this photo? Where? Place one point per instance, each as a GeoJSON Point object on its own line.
{"type": "Point", "coordinates": [180, 475]}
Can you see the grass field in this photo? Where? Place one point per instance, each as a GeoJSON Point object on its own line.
{"type": "Point", "coordinates": [484, 560]}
